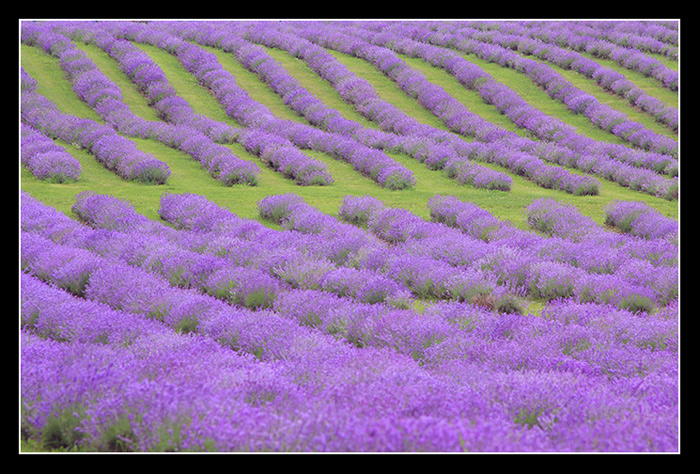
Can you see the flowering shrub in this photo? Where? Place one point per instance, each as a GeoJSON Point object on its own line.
{"type": "Point", "coordinates": [637, 218]}
{"type": "Point", "coordinates": [46, 159]}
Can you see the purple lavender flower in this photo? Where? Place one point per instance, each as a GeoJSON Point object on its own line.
{"type": "Point", "coordinates": [557, 219]}
{"type": "Point", "coordinates": [358, 210]}
{"type": "Point", "coordinates": [46, 159]}
{"type": "Point", "coordinates": [248, 287]}
{"type": "Point", "coordinates": [637, 218]}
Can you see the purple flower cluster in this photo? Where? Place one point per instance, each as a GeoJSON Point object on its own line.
{"type": "Point", "coordinates": [197, 213]}
{"type": "Point", "coordinates": [559, 43]}
{"type": "Point", "coordinates": [465, 216]}
{"type": "Point", "coordinates": [128, 361]}
{"type": "Point", "coordinates": [562, 144]}
{"type": "Point", "coordinates": [108, 212]}
{"type": "Point", "coordinates": [116, 153]}
{"type": "Point", "coordinates": [45, 158]}
{"type": "Point", "coordinates": [556, 86]}
{"type": "Point", "coordinates": [554, 218]}
{"type": "Point", "coordinates": [637, 218]}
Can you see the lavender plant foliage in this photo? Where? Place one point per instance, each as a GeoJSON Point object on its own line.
{"type": "Point", "coordinates": [556, 219]}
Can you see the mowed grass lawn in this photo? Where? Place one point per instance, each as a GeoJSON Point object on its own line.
{"type": "Point", "coordinates": [189, 177]}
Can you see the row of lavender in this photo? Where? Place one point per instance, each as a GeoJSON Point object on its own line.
{"type": "Point", "coordinates": [257, 141]}
{"type": "Point", "coordinates": [637, 169]}
{"type": "Point", "coordinates": [399, 132]}
{"type": "Point", "coordinates": [581, 261]}
{"type": "Point", "coordinates": [275, 140]}
{"type": "Point", "coordinates": [436, 148]}
{"type": "Point", "coordinates": [338, 136]}
{"type": "Point", "coordinates": [491, 263]}
{"type": "Point", "coordinates": [181, 129]}
{"type": "Point", "coordinates": [559, 45]}
{"type": "Point", "coordinates": [494, 48]}
{"type": "Point", "coordinates": [313, 371]}
{"type": "Point", "coordinates": [615, 40]}
{"type": "Point", "coordinates": [322, 253]}
{"type": "Point", "coordinates": [114, 151]}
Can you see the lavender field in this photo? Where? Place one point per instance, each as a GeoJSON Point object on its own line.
{"type": "Point", "coordinates": [349, 236]}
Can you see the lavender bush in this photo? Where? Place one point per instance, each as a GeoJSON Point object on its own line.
{"type": "Point", "coordinates": [637, 218]}
{"type": "Point", "coordinates": [45, 158]}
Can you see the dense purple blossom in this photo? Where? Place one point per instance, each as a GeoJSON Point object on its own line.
{"type": "Point", "coordinates": [457, 370]}
{"type": "Point", "coordinates": [46, 159]}
{"type": "Point", "coordinates": [637, 218]}
{"type": "Point", "coordinates": [116, 153]}
{"type": "Point", "coordinates": [372, 329]}
{"type": "Point", "coordinates": [570, 144]}
{"type": "Point", "coordinates": [467, 217]}
{"type": "Point", "coordinates": [555, 219]}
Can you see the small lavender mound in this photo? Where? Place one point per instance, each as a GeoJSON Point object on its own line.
{"type": "Point", "coordinates": [244, 286]}
{"type": "Point", "coordinates": [637, 218]}
{"type": "Point", "coordinates": [557, 219]}
{"type": "Point", "coordinates": [55, 314]}
{"type": "Point", "coordinates": [107, 212]}
{"type": "Point", "coordinates": [46, 159]}
{"type": "Point", "coordinates": [358, 210]}
{"type": "Point", "coordinates": [466, 216]}
{"type": "Point", "coordinates": [67, 267]}
{"type": "Point", "coordinates": [281, 155]}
